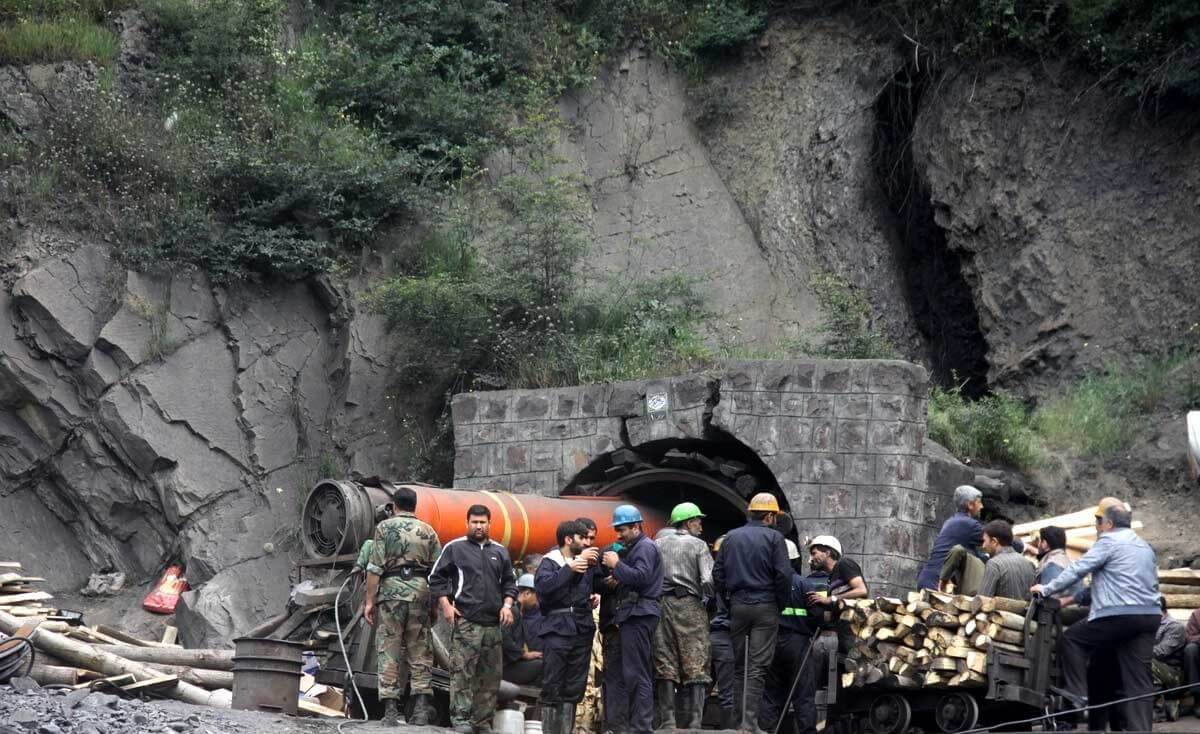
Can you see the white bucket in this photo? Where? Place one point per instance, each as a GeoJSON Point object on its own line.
{"type": "Point", "coordinates": [533, 727]}
{"type": "Point", "coordinates": [510, 721]}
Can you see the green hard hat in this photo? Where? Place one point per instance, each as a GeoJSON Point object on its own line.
{"type": "Point", "coordinates": [685, 511]}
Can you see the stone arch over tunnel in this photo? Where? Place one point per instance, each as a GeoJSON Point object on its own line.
{"type": "Point", "coordinates": [718, 473]}
{"type": "Point", "coordinates": [840, 442]}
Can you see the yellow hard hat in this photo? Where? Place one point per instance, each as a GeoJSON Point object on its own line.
{"type": "Point", "coordinates": [1108, 502]}
{"type": "Point", "coordinates": [764, 502]}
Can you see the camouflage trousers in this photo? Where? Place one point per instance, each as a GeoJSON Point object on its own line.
{"type": "Point", "coordinates": [681, 641]}
{"type": "Point", "coordinates": [402, 647]}
{"type": "Point", "coordinates": [477, 660]}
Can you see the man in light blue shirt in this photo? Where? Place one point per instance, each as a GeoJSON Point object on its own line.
{"type": "Point", "coordinates": [1124, 613]}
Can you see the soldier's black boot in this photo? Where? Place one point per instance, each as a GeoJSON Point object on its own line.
{"type": "Point", "coordinates": [422, 708]}
{"type": "Point", "coordinates": [694, 696]}
{"type": "Point", "coordinates": [392, 713]}
{"type": "Point", "coordinates": [551, 718]}
{"type": "Point", "coordinates": [664, 703]}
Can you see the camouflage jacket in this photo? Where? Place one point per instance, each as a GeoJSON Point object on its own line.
{"type": "Point", "coordinates": [399, 540]}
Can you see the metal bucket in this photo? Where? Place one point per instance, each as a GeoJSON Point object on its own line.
{"type": "Point", "coordinates": [266, 674]}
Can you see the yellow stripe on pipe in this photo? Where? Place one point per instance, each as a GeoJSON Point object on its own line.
{"type": "Point", "coordinates": [525, 538]}
{"type": "Point", "coordinates": [507, 520]}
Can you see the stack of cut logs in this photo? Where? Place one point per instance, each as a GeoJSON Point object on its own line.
{"type": "Point", "coordinates": [931, 639]}
{"type": "Point", "coordinates": [19, 595]}
{"type": "Point", "coordinates": [1080, 527]}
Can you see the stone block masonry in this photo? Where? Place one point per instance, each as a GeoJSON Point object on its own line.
{"type": "Point", "coordinates": [841, 441]}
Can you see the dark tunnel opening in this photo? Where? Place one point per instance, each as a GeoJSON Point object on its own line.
{"type": "Point", "coordinates": [718, 475]}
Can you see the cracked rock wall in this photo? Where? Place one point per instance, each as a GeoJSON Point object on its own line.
{"type": "Point", "coordinates": [843, 440]}
{"type": "Point", "coordinates": [147, 418]}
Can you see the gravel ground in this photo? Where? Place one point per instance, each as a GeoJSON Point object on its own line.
{"type": "Point", "coordinates": [28, 709]}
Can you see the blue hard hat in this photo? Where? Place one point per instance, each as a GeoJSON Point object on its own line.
{"type": "Point", "coordinates": [626, 514]}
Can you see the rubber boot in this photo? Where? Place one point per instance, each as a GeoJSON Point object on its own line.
{"type": "Point", "coordinates": [392, 714]}
{"type": "Point", "coordinates": [566, 724]}
{"type": "Point", "coordinates": [728, 719]}
{"type": "Point", "coordinates": [551, 718]}
{"type": "Point", "coordinates": [696, 694]}
{"type": "Point", "coordinates": [664, 703]}
{"type": "Point", "coordinates": [422, 708]}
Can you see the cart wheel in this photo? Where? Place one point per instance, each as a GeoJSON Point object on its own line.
{"type": "Point", "coordinates": [956, 712]}
{"type": "Point", "coordinates": [889, 714]}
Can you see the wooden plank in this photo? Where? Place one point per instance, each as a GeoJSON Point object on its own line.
{"type": "Point", "coordinates": [170, 634]}
{"type": "Point", "coordinates": [161, 683]}
{"type": "Point", "coordinates": [1079, 519]}
{"type": "Point", "coordinates": [10, 564]}
{"type": "Point", "coordinates": [30, 596]}
{"type": "Point", "coordinates": [1183, 601]}
{"type": "Point", "coordinates": [113, 680]}
{"type": "Point", "coordinates": [118, 636]}
{"type": "Point", "coordinates": [312, 707]}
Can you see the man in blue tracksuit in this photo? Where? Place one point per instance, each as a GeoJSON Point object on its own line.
{"type": "Point", "coordinates": [793, 663]}
{"type": "Point", "coordinates": [638, 570]}
{"type": "Point", "coordinates": [753, 576]}
{"type": "Point", "coordinates": [1124, 614]}
{"type": "Point", "coordinates": [564, 584]}
{"type": "Point", "coordinates": [961, 528]}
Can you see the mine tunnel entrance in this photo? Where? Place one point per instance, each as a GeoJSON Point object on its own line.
{"type": "Point", "coordinates": [718, 475]}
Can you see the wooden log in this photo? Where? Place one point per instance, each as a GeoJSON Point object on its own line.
{"type": "Point", "coordinates": [1079, 519]}
{"type": "Point", "coordinates": [888, 604]}
{"type": "Point", "coordinates": [170, 634]}
{"type": "Point", "coordinates": [940, 619]}
{"type": "Point", "coordinates": [102, 661]}
{"type": "Point", "coordinates": [887, 633]}
{"type": "Point", "coordinates": [210, 679]}
{"type": "Point", "coordinates": [886, 649]}
{"type": "Point", "coordinates": [121, 636]}
{"type": "Point", "coordinates": [161, 684]}
{"type": "Point", "coordinates": [902, 681]}
{"type": "Point", "coordinates": [977, 662]}
{"type": "Point", "coordinates": [1007, 619]}
{"type": "Point", "coordinates": [934, 679]}
{"type": "Point", "coordinates": [56, 675]}
{"type": "Point", "coordinates": [880, 619]}
{"type": "Point", "coordinates": [209, 659]}
{"type": "Point", "coordinates": [1183, 601]}
{"type": "Point", "coordinates": [26, 597]}
{"type": "Point", "coordinates": [963, 603]}
{"type": "Point", "coordinates": [991, 604]}
{"type": "Point", "coordinates": [1002, 634]}
{"type": "Point", "coordinates": [964, 617]}
{"type": "Point", "coordinates": [913, 640]}
{"type": "Point", "coordinates": [958, 652]}
{"type": "Point", "coordinates": [1186, 576]}
{"type": "Point", "coordinates": [946, 665]}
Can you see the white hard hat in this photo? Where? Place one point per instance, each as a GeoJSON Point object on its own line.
{"type": "Point", "coordinates": [828, 541]}
{"type": "Point", "coordinates": [793, 551]}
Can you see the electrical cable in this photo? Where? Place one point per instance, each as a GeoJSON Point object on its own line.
{"type": "Point", "coordinates": [32, 651]}
{"type": "Point", "coordinates": [337, 622]}
{"type": "Point", "coordinates": [1082, 709]}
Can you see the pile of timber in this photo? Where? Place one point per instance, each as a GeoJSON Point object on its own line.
{"type": "Point", "coordinates": [1080, 527]}
{"type": "Point", "coordinates": [19, 595]}
{"type": "Point", "coordinates": [1180, 587]}
{"type": "Point", "coordinates": [931, 639]}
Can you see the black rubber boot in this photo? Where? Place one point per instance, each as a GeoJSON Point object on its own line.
{"type": "Point", "coordinates": [728, 719]}
{"type": "Point", "coordinates": [567, 723]}
{"type": "Point", "coordinates": [393, 714]}
{"type": "Point", "coordinates": [551, 718]}
{"type": "Point", "coordinates": [664, 703]}
{"type": "Point", "coordinates": [694, 697]}
{"type": "Point", "coordinates": [422, 709]}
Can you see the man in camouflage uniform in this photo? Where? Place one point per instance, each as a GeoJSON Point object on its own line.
{"type": "Point", "coordinates": [474, 584]}
{"type": "Point", "coordinates": [681, 642]}
{"type": "Point", "coordinates": [402, 553]}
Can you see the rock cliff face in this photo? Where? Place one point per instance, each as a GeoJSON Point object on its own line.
{"type": "Point", "coordinates": [147, 418]}
{"type": "Point", "coordinates": [1005, 223]}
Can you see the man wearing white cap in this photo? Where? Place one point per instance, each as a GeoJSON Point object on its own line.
{"type": "Point", "coordinates": [845, 580]}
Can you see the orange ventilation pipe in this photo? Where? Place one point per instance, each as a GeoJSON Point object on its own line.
{"type": "Point", "coordinates": [340, 514]}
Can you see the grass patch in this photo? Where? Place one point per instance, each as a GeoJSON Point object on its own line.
{"type": "Point", "coordinates": [995, 429]}
{"type": "Point", "coordinates": [50, 40]}
{"type": "Point", "coordinates": [1105, 412]}
{"type": "Point", "coordinates": [1101, 415]}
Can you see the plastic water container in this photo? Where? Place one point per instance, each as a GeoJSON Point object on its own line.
{"type": "Point", "coordinates": [533, 727]}
{"type": "Point", "coordinates": [510, 721]}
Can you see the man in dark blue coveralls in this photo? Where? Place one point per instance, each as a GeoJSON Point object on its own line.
{"type": "Point", "coordinates": [564, 587]}
{"type": "Point", "coordinates": [753, 576]}
{"type": "Point", "coordinates": [639, 573]}
{"type": "Point", "coordinates": [793, 665]}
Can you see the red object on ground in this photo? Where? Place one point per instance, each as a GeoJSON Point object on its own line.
{"type": "Point", "coordinates": [165, 596]}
